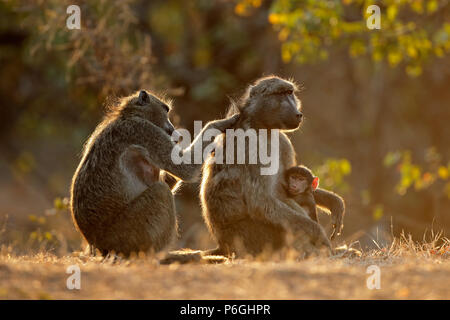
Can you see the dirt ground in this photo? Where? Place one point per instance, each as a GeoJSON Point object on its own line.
{"type": "Point", "coordinates": [44, 276]}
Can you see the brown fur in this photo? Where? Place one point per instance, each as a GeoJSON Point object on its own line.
{"type": "Point", "coordinates": [305, 199]}
{"type": "Point", "coordinates": [243, 209]}
{"type": "Point", "coordinates": [333, 202]}
{"type": "Point", "coordinates": [308, 199]}
{"type": "Point", "coordinates": [117, 202]}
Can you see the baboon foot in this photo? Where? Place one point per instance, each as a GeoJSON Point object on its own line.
{"type": "Point", "coordinates": [112, 258]}
{"type": "Point", "coordinates": [346, 252]}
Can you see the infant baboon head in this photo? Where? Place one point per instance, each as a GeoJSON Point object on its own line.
{"type": "Point", "coordinates": [148, 106]}
{"type": "Point", "coordinates": [272, 103]}
{"type": "Point", "coordinates": [300, 179]}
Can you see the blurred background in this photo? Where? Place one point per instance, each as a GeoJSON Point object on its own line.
{"type": "Point", "coordinates": [376, 102]}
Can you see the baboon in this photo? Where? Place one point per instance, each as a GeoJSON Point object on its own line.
{"type": "Point", "coordinates": [117, 201]}
{"type": "Point", "coordinates": [244, 210]}
{"type": "Point", "coordinates": [301, 186]}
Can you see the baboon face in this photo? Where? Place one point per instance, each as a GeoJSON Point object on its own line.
{"type": "Point", "coordinates": [300, 179]}
{"type": "Point", "coordinates": [278, 107]}
{"type": "Point", "coordinates": [154, 110]}
{"type": "Point", "coordinates": [297, 184]}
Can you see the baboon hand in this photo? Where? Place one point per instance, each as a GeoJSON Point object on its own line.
{"type": "Point", "coordinates": [338, 224]}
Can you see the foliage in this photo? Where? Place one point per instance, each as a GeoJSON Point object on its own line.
{"type": "Point", "coordinates": [414, 175]}
{"type": "Point", "coordinates": [412, 31]}
{"type": "Point", "coordinates": [332, 173]}
{"type": "Point", "coordinates": [52, 231]}
{"type": "Point", "coordinates": [412, 34]}
{"type": "Point", "coordinates": [404, 245]}
{"type": "Point", "coordinates": [109, 52]}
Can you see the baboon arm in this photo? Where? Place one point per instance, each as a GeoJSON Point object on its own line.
{"type": "Point", "coordinates": [161, 147]}
{"type": "Point", "coordinates": [312, 211]}
{"type": "Point", "coordinates": [335, 204]}
{"type": "Point", "coordinates": [278, 212]}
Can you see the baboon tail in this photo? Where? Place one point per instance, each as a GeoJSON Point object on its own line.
{"type": "Point", "coordinates": [215, 252]}
{"type": "Point", "coordinates": [193, 256]}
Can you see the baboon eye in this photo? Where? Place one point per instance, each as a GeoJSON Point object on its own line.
{"type": "Point", "coordinates": [166, 107]}
{"type": "Point", "coordinates": [283, 93]}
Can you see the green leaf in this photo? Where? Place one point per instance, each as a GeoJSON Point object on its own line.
{"type": "Point", "coordinates": [378, 212]}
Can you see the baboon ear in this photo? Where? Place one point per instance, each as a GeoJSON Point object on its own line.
{"type": "Point", "coordinates": [315, 183]}
{"type": "Point", "coordinates": [143, 97]}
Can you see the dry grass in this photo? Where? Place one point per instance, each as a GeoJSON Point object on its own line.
{"type": "Point", "coordinates": [409, 270]}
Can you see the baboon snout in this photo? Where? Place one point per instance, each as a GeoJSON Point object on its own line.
{"type": "Point", "coordinates": [169, 128]}
{"type": "Point", "coordinates": [296, 119]}
{"type": "Point", "coordinates": [175, 135]}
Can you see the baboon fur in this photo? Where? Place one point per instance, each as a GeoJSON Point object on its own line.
{"type": "Point", "coordinates": [115, 203]}
{"type": "Point", "coordinates": [308, 199]}
{"type": "Point", "coordinates": [244, 210]}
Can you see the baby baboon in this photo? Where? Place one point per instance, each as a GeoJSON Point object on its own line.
{"type": "Point", "coordinates": [245, 210]}
{"type": "Point", "coordinates": [117, 200]}
{"type": "Point", "coordinates": [301, 186]}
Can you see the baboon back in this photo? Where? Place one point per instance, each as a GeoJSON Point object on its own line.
{"type": "Point", "coordinates": [103, 211]}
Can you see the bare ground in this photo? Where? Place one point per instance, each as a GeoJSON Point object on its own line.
{"type": "Point", "coordinates": [406, 273]}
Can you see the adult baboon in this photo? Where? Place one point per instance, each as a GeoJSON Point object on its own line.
{"type": "Point", "coordinates": [244, 210]}
{"type": "Point", "coordinates": [117, 200]}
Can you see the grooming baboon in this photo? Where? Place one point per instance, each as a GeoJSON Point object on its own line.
{"type": "Point", "coordinates": [301, 186]}
{"type": "Point", "coordinates": [117, 200]}
{"type": "Point", "coordinates": [243, 209]}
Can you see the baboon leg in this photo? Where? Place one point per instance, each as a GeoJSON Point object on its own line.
{"type": "Point", "coordinates": [243, 236]}
{"type": "Point", "coordinates": [91, 250]}
{"type": "Point", "coordinates": [248, 236]}
{"type": "Point", "coordinates": [148, 223]}
{"type": "Point", "coordinates": [154, 210]}
{"type": "Point", "coordinates": [255, 237]}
